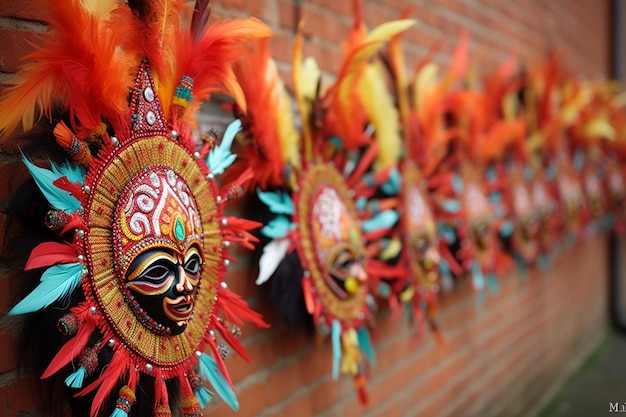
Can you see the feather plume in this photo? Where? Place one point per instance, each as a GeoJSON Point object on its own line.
{"type": "Point", "coordinates": [306, 78]}
{"type": "Point", "coordinates": [71, 349]}
{"type": "Point", "coordinates": [273, 254]}
{"type": "Point", "coordinates": [345, 116]}
{"type": "Point", "coordinates": [65, 67]}
{"type": "Point", "coordinates": [57, 282]}
{"type": "Point", "coordinates": [270, 117]}
{"type": "Point", "coordinates": [210, 371]}
{"type": "Point", "coordinates": [236, 309]}
{"type": "Point", "coordinates": [115, 370]}
{"type": "Point", "coordinates": [155, 36]}
{"type": "Point", "coordinates": [209, 60]}
{"type": "Point", "coordinates": [45, 180]}
{"type": "Point", "coordinates": [382, 113]}
{"type": "Point", "coordinates": [220, 157]}
{"type": "Point", "coordinates": [50, 253]}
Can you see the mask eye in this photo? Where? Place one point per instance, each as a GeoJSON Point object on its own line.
{"type": "Point", "coordinates": [193, 264]}
{"type": "Point", "coordinates": [422, 244]}
{"type": "Point", "coordinates": [156, 273]}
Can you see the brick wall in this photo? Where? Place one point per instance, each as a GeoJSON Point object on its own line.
{"type": "Point", "coordinates": [501, 355]}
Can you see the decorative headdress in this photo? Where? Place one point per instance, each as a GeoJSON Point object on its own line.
{"type": "Point", "coordinates": [143, 239]}
{"type": "Point", "coordinates": [315, 195]}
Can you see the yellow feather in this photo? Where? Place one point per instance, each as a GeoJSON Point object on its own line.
{"type": "Point", "coordinates": [306, 75]}
{"type": "Point", "coordinates": [286, 128]}
{"type": "Point", "coordinates": [382, 113]}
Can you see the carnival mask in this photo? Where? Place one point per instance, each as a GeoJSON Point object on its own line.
{"type": "Point", "coordinates": [420, 231]}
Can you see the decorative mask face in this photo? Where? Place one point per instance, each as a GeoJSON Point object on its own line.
{"type": "Point", "coordinates": [336, 233]}
{"type": "Point", "coordinates": [331, 246]}
{"type": "Point", "coordinates": [479, 213]}
{"type": "Point", "coordinates": [164, 283]}
{"type": "Point", "coordinates": [161, 255]}
{"type": "Point", "coordinates": [420, 229]}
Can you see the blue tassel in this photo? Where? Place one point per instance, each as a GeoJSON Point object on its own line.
{"type": "Point", "coordinates": [336, 341]}
{"type": "Point", "coordinates": [220, 157]}
{"type": "Point", "coordinates": [366, 344]}
{"type": "Point", "coordinates": [204, 396]}
{"type": "Point", "coordinates": [58, 199]}
{"type": "Point", "coordinates": [209, 371]}
{"type": "Point", "coordinates": [76, 378]}
{"type": "Point", "coordinates": [381, 220]}
{"type": "Point", "coordinates": [278, 202]}
{"type": "Point", "coordinates": [278, 227]}
{"type": "Point", "coordinates": [57, 282]}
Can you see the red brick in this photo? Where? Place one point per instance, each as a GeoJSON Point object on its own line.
{"type": "Point", "coordinates": [8, 349]}
{"type": "Point", "coordinates": [284, 382]}
{"type": "Point", "coordinates": [15, 44]}
{"type": "Point", "coordinates": [23, 9]}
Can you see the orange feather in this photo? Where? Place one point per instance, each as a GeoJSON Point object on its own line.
{"type": "Point", "coordinates": [91, 85]}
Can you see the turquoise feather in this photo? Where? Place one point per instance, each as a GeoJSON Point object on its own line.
{"type": "Point", "coordinates": [57, 282]}
{"type": "Point", "coordinates": [457, 183]}
{"type": "Point", "coordinates": [450, 206]}
{"type": "Point", "coordinates": [392, 185]}
{"type": "Point", "coordinates": [446, 232]}
{"type": "Point", "coordinates": [506, 229]}
{"type": "Point", "coordinates": [76, 378]}
{"type": "Point", "coordinates": [381, 220]}
{"type": "Point", "coordinates": [477, 276]}
{"type": "Point", "coordinates": [278, 202]}
{"type": "Point", "coordinates": [220, 157]}
{"type": "Point", "coordinates": [58, 199]}
{"type": "Point", "coordinates": [366, 344]}
{"type": "Point", "coordinates": [278, 227]}
{"type": "Point", "coordinates": [74, 173]}
{"type": "Point", "coordinates": [336, 342]}
{"type": "Point", "coordinates": [493, 283]}
{"type": "Point", "coordinates": [209, 371]}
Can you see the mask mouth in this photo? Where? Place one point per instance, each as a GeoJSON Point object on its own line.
{"type": "Point", "coordinates": [179, 309]}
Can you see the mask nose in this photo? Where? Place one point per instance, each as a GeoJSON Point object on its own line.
{"type": "Point", "coordinates": [183, 285]}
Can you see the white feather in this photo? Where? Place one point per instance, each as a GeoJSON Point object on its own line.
{"type": "Point", "coordinates": [273, 253]}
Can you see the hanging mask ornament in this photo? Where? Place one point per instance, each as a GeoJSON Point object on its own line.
{"type": "Point", "coordinates": [405, 268]}
{"type": "Point", "coordinates": [312, 183]}
{"type": "Point", "coordinates": [143, 239]}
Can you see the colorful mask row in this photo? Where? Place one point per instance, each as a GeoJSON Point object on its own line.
{"type": "Point", "coordinates": [372, 195]}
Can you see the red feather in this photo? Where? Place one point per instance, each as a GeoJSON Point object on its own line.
{"type": "Point", "coordinates": [236, 309]}
{"type": "Point", "coordinates": [209, 60]}
{"type": "Point", "coordinates": [50, 253]}
{"type": "Point", "coordinates": [71, 349]}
